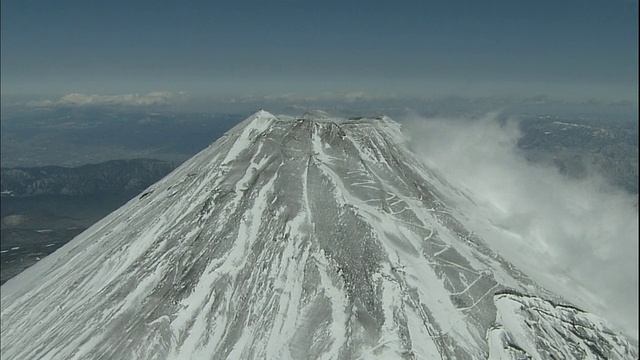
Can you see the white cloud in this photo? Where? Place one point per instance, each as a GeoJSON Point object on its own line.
{"type": "Point", "coordinates": [128, 100]}
{"type": "Point", "coordinates": [585, 230]}
{"type": "Point", "coordinates": [331, 97]}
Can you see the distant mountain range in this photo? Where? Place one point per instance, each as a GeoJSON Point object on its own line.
{"type": "Point", "coordinates": [109, 177]}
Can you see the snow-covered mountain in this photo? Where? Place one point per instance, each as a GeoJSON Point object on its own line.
{"type": "Point", "coordinates": [295, 238]}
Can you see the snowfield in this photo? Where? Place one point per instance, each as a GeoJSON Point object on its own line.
{"type": "Point", "coordinates": [297, 238]}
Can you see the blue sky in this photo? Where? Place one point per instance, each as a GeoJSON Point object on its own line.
{"type": "Point", "coordinates": [573, 50]}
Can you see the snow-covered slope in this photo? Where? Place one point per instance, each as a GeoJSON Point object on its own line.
{"type": "Point", "coordinates": [293, 238]}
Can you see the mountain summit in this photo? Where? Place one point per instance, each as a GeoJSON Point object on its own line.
{"type": "Point", "coordinates": [294, 238]}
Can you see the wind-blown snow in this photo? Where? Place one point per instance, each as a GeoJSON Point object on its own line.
{"type": "Point", "coordinates": [310, 238]}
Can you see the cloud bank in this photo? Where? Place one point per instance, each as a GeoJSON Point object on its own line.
{"type": "Point", "coordinates": [158, 98]}
{"type": "Point", "coordinates": [585, 230]}
{"type": "Point", "coordinates": [346, 103]}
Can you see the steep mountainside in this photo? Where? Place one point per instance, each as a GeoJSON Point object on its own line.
{"type": "Point", "coordinates": [295, 238]}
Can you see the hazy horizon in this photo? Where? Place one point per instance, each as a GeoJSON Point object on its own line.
{"type": "Point", "coordinates": [227, 52]}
